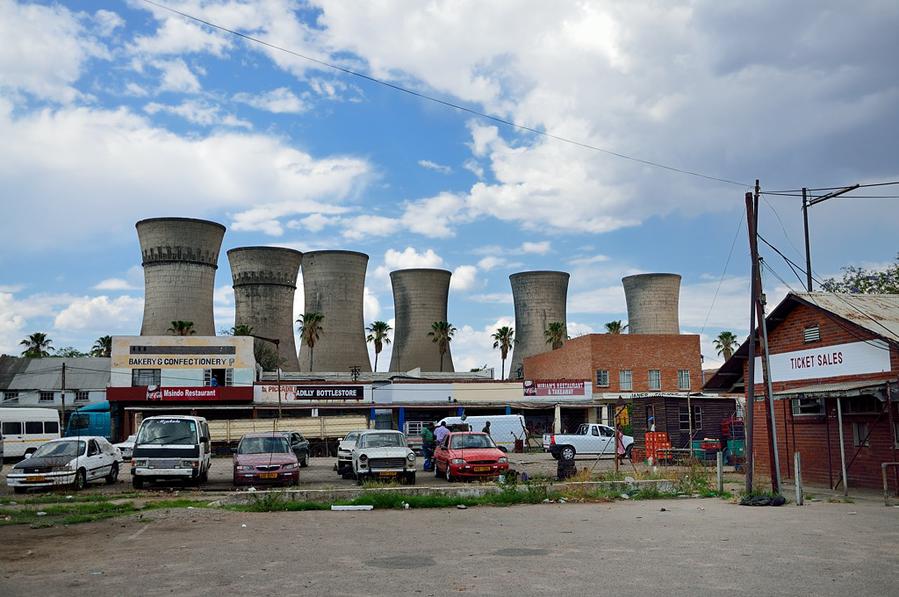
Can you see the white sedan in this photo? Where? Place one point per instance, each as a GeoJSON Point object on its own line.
{"type": "Point", "coordinates": [67, 461]}
{"type": "Point", "coordinates": [126, 447]}
{"type": "Point", "coordinates": [383, 454]}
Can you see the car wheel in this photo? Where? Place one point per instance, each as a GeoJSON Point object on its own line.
{"type": "Point", "coordinates": [137, 482]}
{"type": "Point", "coordinates": [204, 477]}
{"type": "Point", "coordinates": [360, 479]}
{"type": "Point", "coordinates": [19, 489]}
{"type": "Point", "coordinates": [80, 479]}
{"type": "Point", "coordinates": [449, 475]}
{"type": "Point", "coordinates": [627, 452]}
{"type": "Point", "coordinates": [555, 455]}
{"type": "Point", "coordinates": [305, 461]}
{"type": "Point", "coordinates": [436, 471]}
{"type": "Point", "coordinates": [410, 478]}
{"type": "Point", "coordinates": [113, 475]}
{"type": "Point", "coordinates": [567, 453]}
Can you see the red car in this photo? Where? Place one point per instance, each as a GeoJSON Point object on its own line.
{"type": "Point", "coordinates": [469, 455]}
{"type": "Point", "coordinates": [265, 458]}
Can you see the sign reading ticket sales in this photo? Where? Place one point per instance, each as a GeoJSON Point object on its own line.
{"type": "Point", "coordinates": [855, 358]}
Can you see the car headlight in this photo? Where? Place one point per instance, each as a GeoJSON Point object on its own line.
{"type": "Point", "coordinates": [141, 462]}
{"type": "Point", "coordinates": [289, 467]}
{"type": "Point", "coordinates": [458, 461]}
{"type": "Point", "coordinates": [410, 457]}
{"type": "Point", "coordinates": [503, 460]}
{"type": "Point", "coordinates": [188, 464]}
{"type": "Point", "coordinates": [243, 467]}
{"type": "Point", "coordinates": [363, 457]}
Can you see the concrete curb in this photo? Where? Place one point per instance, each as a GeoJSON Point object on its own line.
{"type": "Point", "coordinates": [466, 490]}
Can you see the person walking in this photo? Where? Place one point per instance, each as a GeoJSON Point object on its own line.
{"type": "Point", "coordinates": [441, 432]}
{"type": "Point", "coordinates": [486, 428]}
{"type": "Point", "coordinates": [428, 442]}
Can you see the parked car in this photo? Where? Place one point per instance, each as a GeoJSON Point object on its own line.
{"type": "Point", "coordinates": [469, 455]}
{"type": "Point", "coordinates": [344, 466]}
{"type": "Point", "coordinates": [590, 439]}
{"type": "Point", "coordinates": [299, 445]}
{"type": "Point", "coordinates": [127, 447]}
{"type": "Point", "coordinates": [383, 454]}
{"type": "Point", "coordinates": [24, 429]}
{"type": "Point", "coordinates": [174, 447]}
{"type": "Point", "coordinates": [67, 461]}
{"type": "Point", "coordinates": [263, 458]}
{"type": "Point", "coordinates": [504, 429]}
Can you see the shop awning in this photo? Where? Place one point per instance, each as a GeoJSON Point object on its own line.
{"type": "Point", "coordinates": [848, 389]}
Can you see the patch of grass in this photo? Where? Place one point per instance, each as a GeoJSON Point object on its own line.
{"type": "Point", "coordinates": [840, 500]}
{"type": "Point", "coordinates": [175, 503]}
{"type": "Point", "coordinates": [65, 513]}
{"type": "Point", "coordinates": [55, 498]}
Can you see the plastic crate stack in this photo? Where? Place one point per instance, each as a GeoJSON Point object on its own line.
{"type": "Point", "coordinates": [733, 431]}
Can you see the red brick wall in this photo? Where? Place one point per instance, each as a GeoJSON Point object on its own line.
{"type": "Point", "coordinates": [809, 434]}
{"type": "Point", "coordinates": [581, 357]}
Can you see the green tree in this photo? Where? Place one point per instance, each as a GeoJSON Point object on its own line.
{"type": "Point", "coordinates": [725, 344]}
{"type": "Point", "coordinates": [442, 333]}
{"type": "Point", "coordinates": [37, 346]}
{"type": "Point", "coordinates": [182, 328]}
{"type": "Point", "coordinates": [555, 334]}
{"type": "Point", "coordinates": [69, 352]}
{"type": "Point", "coordinates": [378, 331]}
{"type": "Point", "coordinates": [615, 327]}
{"type": "Point", "coordinates": [857, 280]}
{"type": "Point", "coordinates": [503, 339]}
{"type": "Point", "coordinates": [267, 357]}
{"type": "Point", "coordinates": [310, 331]}
{"type": "Point", "coordinates": [102, 347]}
{"type": "Point", "coordinates": [241, 329]}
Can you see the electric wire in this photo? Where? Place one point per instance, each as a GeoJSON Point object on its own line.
{"type": "Point", "coordinates": [730, 253]}
{"type": "Point", "coordinates": [445, 103]}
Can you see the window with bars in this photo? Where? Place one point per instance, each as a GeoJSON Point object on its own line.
{"type": "Point", "coordinates": [683, 379]}
{"type": "Point", "coordinates": [602, 378]}
{"type": "Point", "coordinates": [655, 379]}
{"type": "Point", "coordinates": [625, 380]}
{"type": "Point", "coordinates": [684, 420]}
{"type": "Point", "coordinates": [811, 334]}
{"type": "Point", "coordinates": [860, 434]}
{"type": "Point", "coordinates": [807, 406]}
{"type": "Point", "coordinates": [146, 377]}
{"type": "Point", "coordinates": [82, 395]}
{"type": "Point", "coordinates": [10, 396]}
{"type": "Point", "coordinates": [218, 377]}
{"type": "Point", "coordinates": [46, 397]}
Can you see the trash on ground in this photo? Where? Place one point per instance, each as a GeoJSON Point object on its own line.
{"type": "Point", "coordinates": [351, 508]}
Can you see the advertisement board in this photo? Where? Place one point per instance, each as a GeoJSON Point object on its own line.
{"type": "Point", "coordinates": [300, 393]}
{"type": "Point", "coordinates": [553, 388]}
{"type": "Point", "coordinates": [182, 352]}
{"type": "Point", "coordinates": [180, 394]}
{"type": "Point", "coordinates": [854, 358]}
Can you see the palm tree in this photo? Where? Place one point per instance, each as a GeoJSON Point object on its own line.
{"type": "Point", "coordinates": [726, 342]}
{"type": "Point", "coordinates": [182, 328]}
{"type": "Point", "coordinates": [102, 347]}
{"type": "Point", "coordinates": [503, 339]}
{"type": "Point", "coordinates": [615, 327]}
{"type": "Point", "coordinates": [241, 329]}
{"type": "Point", "coordinates": [441, 333]}
{"type": "Point", "coordinates": [555, 334]}
{"type": "Point", "coordinates": [37, 346]}
{"type": "Point", "coordinates": [378, 335]}
{"type": "Point", "coordinates": [310, 330]}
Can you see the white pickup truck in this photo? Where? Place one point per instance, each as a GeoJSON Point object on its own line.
{"type": "Point", "coordinates": [590, 439]}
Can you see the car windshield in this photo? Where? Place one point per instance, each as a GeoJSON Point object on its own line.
{"type": "Point", "coordinates": [69, 449]}
{"type": "Point", "coordinates": [351, 437]}
{"type": "Point", "coordinates": [383, 440]}
{"type": "Point", "coordinates": [168, 431]}
{"type": "Point", "coordinates": [475, 440]}
{"type": "Point", "coordinates": [263, 445]}
{"type": "Point", "coordinates": [584, 429]}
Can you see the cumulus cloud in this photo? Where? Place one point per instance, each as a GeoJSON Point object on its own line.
{"type": "Point", "coordinates": [409, 258]}
{"type": "Point", "coordinates": [115, 284]}
{"type": "Point", "coordinates": [120, 314]}
{"type": "Point", "coordinates": [473, 347]}
{"type": "Point", "coordinates": [540, 248]}
{"type": "Point", "coordinates": [177, 77]}
{"type": "Point", "coordinates": [465, 277]}
{"type": "Point", "coordinates": [199, 112]}
{"type": "Point", "coordinates": [177, 35]}
{"type": "Point", "coordinates": [278, 101]}
{"type": "Point", "coordinates": [429, 165]}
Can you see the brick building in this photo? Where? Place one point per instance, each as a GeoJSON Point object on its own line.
{"type": "Point", "coordinates": [834, 370]}
{"type": "Point", "coordinates": [623, 365]}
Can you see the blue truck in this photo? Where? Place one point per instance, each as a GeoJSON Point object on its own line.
{"type": "Point", "coordinates": [91, 419]}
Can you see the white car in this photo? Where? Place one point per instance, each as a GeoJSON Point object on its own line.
{"type": "Point", "coordinates": [344, 466]}
{"type": "Point", "coordinates": [67, 461]}
{"type": "Point", "coordinates": [383, 454]}
{"type": "Point", "coordinates": [126, 447]}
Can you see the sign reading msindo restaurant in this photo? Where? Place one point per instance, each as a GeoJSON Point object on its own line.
{"type": "Point", "coordinates": [855, 358]}
{"type": "Point", "coordinates": [180, 394]}
{"type": "Point", "coordinates": [553, 388]}
{"type": "Point", "coordinates": [296, 393]}
{"type": "Point", "coordinates": [182, 352]}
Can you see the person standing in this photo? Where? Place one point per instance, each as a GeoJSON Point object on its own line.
{"type": "Point", "coordinates": [486, 428]}
{"type": "Point", "coordinates": [441, 432]}
{"type": "Point", "coordinates": [427, 445]}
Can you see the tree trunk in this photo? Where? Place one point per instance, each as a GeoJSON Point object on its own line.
{"type": "Point", "coordinates": [441, 361]}
{"type": "Point", "coordinates": [503, 370]}
{"type": "Point", "coordinates": [376, 360]}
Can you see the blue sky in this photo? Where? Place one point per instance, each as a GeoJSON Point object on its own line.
{"type": "Point", "coordinates": [112, 112]}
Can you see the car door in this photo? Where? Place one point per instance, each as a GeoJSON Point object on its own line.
{"type": "Point", "coordinates": [441, 453]}
{"type": "Point", "coordinates": [94, 463]}
{"type": "Point", "coordinates": [608, 435]}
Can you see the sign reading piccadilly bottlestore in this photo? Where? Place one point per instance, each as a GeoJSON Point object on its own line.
{"type": "Point", "coordinates": [296, 393]}
{"type": "Point", "coordinates": [182, 352]}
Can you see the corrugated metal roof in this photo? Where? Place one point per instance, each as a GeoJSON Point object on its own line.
{"type": "Point", "coordinates": [88, 373]}
{"type": "Point", "coordinates": [877, 313]}
{"type": "Point", "coordinates": [844, 389]}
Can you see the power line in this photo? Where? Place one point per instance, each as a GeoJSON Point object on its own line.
{"type": "Point", "coordinates": [446, 103]}
{"type": "Point", "coordinates": [861, 186]}
{"type": "Point", "coordinates": [723, 273]}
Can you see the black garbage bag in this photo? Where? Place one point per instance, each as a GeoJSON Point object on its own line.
{"type": "Point", "coordinates": [763, 500]}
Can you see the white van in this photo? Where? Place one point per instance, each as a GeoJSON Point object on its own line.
{"type": "Point", "coordinates": [173, 447]}
{"type": "Point", "coordinates": [25, 429]}
{"type": "Point", "coordinates": [504, 429]}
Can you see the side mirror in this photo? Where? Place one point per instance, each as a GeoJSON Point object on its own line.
{"type": "Point", "coordinates": [27, 455]}
{"type": "Point", "coordinates": [204, 439]}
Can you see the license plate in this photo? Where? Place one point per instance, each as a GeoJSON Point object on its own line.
{"type": "Point", "coordinates": [388, 474]}
{"type": "Point", "coordinates": [36, 479]}
{"type": "Point", "coordinates": [268, 475]}
{"type": "Point", "coordinates": [481, 469]}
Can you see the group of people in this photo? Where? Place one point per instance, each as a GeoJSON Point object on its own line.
{"type": "Point", "coordinates": [431, 437]}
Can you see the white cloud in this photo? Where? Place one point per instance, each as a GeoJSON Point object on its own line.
{"type": "Point", "coordinates": [367, 226]}
{"type": "Point", "coordinates": [429, 165]}
{"type": "Point", "coordinates": [473, 347]}
{"type": "Point", "coordinates": [540, 248]}
{"type": "Point", "coordinates": [120, 314]}
{"type": "Point", "coordinates": [433, 216]}
{"type": "Point", "coordinates": [409, 258]}
{"type": "Point", "coordinates": [278, 101]}
{"type": "Point", "coordinates": [491, 262]}
{"type": "Point", "coordinates": [313, 223]}
{"type": "Point", "coordinates": [504, 298]}
{"type": "Point", "coordinates": [576, 329]}
{"type": "Point", "coordinates": [177, 76]}
{"type": "Point", "coordinates": [465, 277]}
{"type": "Point", "coordinates": [106, 22]}
{"type": "Point", "coordinates": [371, 306]}
{"type": "Point", "coordinates": [177, 35]}
{"type": "Point", "coordinates": [589, 260]}
{"type": "Point", "coordinates": [44, 50]}
{"type": "Point", "coordinates": [115, 284]}
{"type": "Point", "coordinates": [199, 112]}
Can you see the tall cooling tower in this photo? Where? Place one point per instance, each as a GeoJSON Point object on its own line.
{"type": "Point", "coordinates": [333, 285]}
{"type": "Point", "coordinates": [265, 281]}
{"type": "Point", "coordinates": [652, 303]}
{"type": "Point", "coordinates": [419, 299]}
{"type": "Point", "coordinates": [180, 256]}
{"type": "Point", "coordinates": [540, 299]}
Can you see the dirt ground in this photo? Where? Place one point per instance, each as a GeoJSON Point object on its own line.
{"type": "Point", "coordinates": [669, 547]}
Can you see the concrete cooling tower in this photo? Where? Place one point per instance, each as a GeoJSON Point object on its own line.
{"type": "Point", "coordinates": [265, 281]}
{"type": "Point", "coordinates": [334, 284]}
{"type": "Point", "coordinates": [540, 299]}
{"type": "Point", "coordinates": [652, 301]}
{"type": "Point", "coordinates": [419, 299]}
{"type": "Point", "coordinates": [180, 256]}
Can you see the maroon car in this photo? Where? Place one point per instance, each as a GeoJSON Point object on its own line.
{"type": "Point", "coordinates": [265, 458]}
{"type": "Point", "coordinates": [469, 455]}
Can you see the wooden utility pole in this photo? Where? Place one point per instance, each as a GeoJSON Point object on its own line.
{"type": "Point", "coordinates": [749, 382]}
